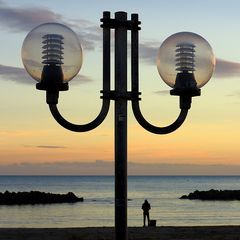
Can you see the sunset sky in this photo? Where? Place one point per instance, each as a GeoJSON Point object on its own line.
{"type": "Point", "coordinates": [31, 142]}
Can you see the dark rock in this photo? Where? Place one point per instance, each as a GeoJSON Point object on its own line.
{"type": "Point", "coordinates": [36, 197]}
{"type": "Point", "coordinates": [213, 195]}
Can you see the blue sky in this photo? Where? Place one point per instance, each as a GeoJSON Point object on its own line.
{"type": "Point", "coordinates": [210, 134]}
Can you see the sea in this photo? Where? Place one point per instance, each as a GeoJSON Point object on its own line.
{"type": "Point", "coordinates": [162, 192]}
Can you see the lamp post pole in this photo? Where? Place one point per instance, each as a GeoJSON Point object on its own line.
{"type": "Point", "coordinates": [121, 128]}
{"type": "Point", "coordinates": [52, 81]}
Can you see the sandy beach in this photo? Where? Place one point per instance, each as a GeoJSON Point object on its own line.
{"type": "Point", "coordinates": [135, 233]}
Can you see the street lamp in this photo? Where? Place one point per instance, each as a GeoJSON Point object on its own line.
{"type": "Point", "coordinates": [52, 55]}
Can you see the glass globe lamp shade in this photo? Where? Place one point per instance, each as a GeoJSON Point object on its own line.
{"type": "Point", "coordinates": [52, 45]}
{"type": "Point", "coordinates": [185, 54]}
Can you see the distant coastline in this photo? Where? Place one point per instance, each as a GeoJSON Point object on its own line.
{"type": "Point", "coordinates": [106, 168]}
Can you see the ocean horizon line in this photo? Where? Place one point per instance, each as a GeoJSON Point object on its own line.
{"type": "Point", "coordinates": [130, 175]}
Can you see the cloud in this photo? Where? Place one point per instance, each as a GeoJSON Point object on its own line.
{"type": "Point", "coordinates": [100, 167]}
{"type": "Point", "coordinates": [24, 19]}
{"type": "Point", "coordinates": [14, 74]}
{"type": "Point", "coordinates": [223, 69]}
{"type": "Point", "coordinates": [183, 169]}
{"type": "Point", "coordinates": [59, 168]}
{"type": "Point", "coordinates": [50, 146]}
{"type": "Point", "coordinates": [148, 51]}
{"type": "Point", "coordinates": [45, 146]}
{"type": "Point", "coordinates": [81, 79]}
{"type": "Point", "coordinates": [162, 92]}
{"type": "Point", "coordinates": [19, 75]}
{"type": "Point", "coordinates": [234, 94]}
{"type": "Point", "coordinates": [16, 19]}
{"type": "Point", "coordinates": [226, 69]}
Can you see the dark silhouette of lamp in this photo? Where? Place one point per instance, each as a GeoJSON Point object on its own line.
{"type": "Point", "coordinates": [52, 55]}
{"type": "Point", "coordinates": [52, 73]}
{"type": "Point", "coordinates": [185, 62]}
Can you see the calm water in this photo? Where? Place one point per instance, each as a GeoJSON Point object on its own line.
{"type": "Point", "coordinates": [98, 208]}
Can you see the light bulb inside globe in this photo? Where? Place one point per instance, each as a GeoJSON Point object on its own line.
{"type": "Point", "coordinates": [185, 61]}
{"type": "Point", "coordinates": [52, 49]}
{"type": "Point", "coordinates": [52, 54]}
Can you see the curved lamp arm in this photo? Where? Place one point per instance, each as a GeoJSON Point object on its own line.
{"type": "Point", "coordinates": [80, 128]}
{"type": "Point", "coordinates": [154, 129]}
{"type": "Point", "coordinates": [185, 101]}
{"type": "Point", "coordinates": [106, 89]}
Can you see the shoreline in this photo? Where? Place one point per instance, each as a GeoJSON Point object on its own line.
{"type": "Point", "coordinates": [231, 232]}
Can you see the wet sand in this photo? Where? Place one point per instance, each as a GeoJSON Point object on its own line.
{"type": "Point", "coordinates": [134, 233]}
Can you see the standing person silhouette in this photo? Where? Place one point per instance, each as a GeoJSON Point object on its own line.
{"type": "Point", "coordinates": [146, 207]}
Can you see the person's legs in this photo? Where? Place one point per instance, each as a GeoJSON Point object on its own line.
{"type": "Point", "coordinates": [144, 219]}
{"type": "Point", "coordinates": [148, 219]}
